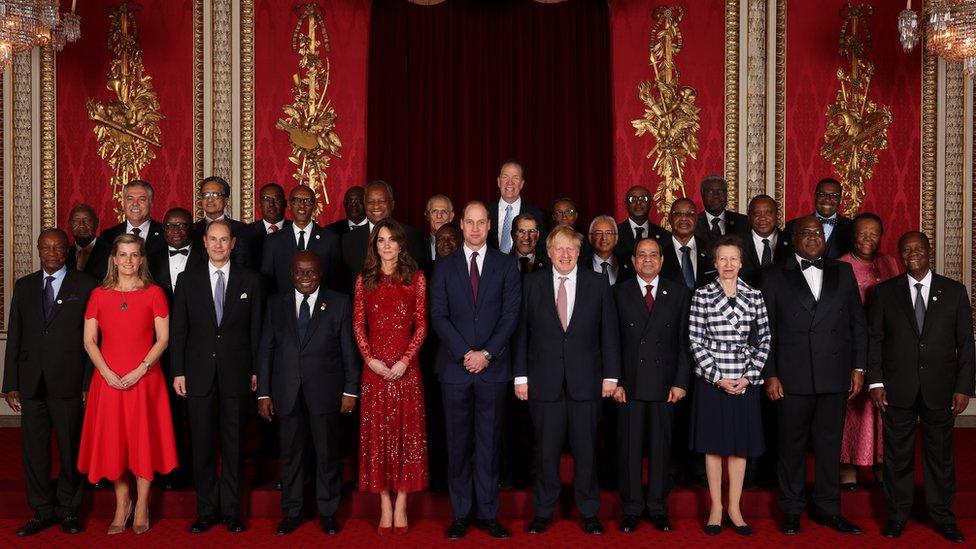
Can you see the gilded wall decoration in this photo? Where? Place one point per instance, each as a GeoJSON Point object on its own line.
{"type": "Point", "coordinates": [670, 114]}
{"type": "Point", "coordinates": [49, 161]}
{"type": "Point", "coordinates": [247, 111]}
{"type": "Point", "coordinates": [24, 230]}
{"type": "Point", "coordinates": [779, 146]}
{"type": "Point", "coordinates": [756, 102]}
{"type": "Point", "coordinates": [857, 127]}
{"type": "Point", "coordinates": [929, 121]}
{"type": "Point", "coordinates": [310, 120]}
{"type": "Point", "coordinates": [222, 92]}
{"type": "Point", "coordinates": [732, 101]}
{"type": "Point", "coordinates": [953, 184]}
{"type": "Point", "coordinates": [126, 127]}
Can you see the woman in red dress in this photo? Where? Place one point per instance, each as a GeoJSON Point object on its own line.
{"type": "Point", "coordinates": [128, 429]}
{"type": "Point", "coordinates": [390, 322]}
{"type": "Point", "coordinates": [861, 444]}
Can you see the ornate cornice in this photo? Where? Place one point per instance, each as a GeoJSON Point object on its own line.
{"type": "Point", "coordinates": [247, 111]}
{"type": "Point", "coordinates": [732, 100]}
{"type": "Point", "coordinates": [48, 134]}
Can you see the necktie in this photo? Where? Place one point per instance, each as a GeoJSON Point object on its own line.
{"type": "Point", "coordinates": [304, 315]}
{"type": "Point", "coordinates": [219, 291]}
{"type": "Point", "coordinates": [507, 230]}
{"type": "Point", "coordinates": [48, 297]}
{"type": "Point", "coordinates": [687, 271]}
{"type": "Point", "coordinates": [562, 303]}
{"type": "Point", "coordinates": [475, 275]}
{"type": "Point", "coordinates": [181, 251]}
{"type": "Point", "coordinates": [640, 233]}
{"type": "Point", "coordinates": [301, 239]}
{"type": "Point", "coordinates": [272, 228]}
{"type": "Point", "coordinates": [605, 266]}
{"type": "Point", "coordinates": [716, 231]}
{"type": "Point", "coordinates": [524, 264]}
{"type": "Point", "coordinates": [919, 307]}
{"type": "Point", "coordinates": [136, 231]}
{"type": "Point", "coordinates": [81, 258]}
{"type": "Point", "coordinates": [649, 297]}
{"type": "Point", "coordinates": [816, 264]}
{"type": "Point", "coordinates": [767, 254]}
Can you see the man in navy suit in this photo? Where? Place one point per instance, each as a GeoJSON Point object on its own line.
{"type": "Point", "coordinates": [717, 221]}
{"type": "Point", "coordinates": [213, 197]}
{"type": "Point", "coordinates": [502, 212]}
{"type": "Point", "coordinates": [474, 306]}
{"type": "Point", "coordinates": [272, 202]}
{"type": "Point", "coordinates": [567, 356]}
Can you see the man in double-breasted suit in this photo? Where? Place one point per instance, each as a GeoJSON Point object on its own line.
{"type": "Point", "coordinates": [303, 234]}
{"type": "Point", "coordinates": [920, 370]}
{"type": "Point", "coordinates": [474, 304]}
{"type": "Point", "coordinates": [816, 362]}
{"type": "Point", "coordinates": [655, 372]}
{"type": "Point", "coordinates": [215, 328]}
{"type": "Point", "coordinates": [567, 356]}
{"type": "Point", "coordinates": [45, 377]}
{"type": "Point", "coordinates": [308, 373]}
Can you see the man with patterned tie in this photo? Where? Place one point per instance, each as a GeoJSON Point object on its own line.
{"type": "Point", "coordinates": [271, 201]}
{"type": "Point", "coordinates": [718, 221]}
{"type": "Point", "coordinates": [816, 363]}
{"type": "Point", "coordinates": [137, 201]}
{"type": "Point", "coordinates": [304, 234]}
{"type": "Point", "coordinates": [502, 213]}
{"type": "Point", "coordinates": [567, 358]}
{"type": "Point", "coordinates": [215, 327]}
{"type": "Point", "coordinates": [764, 242]}
{"type": "Point", "coordinates": [837, 228]}
{"type": "Point", "coordinates": [637, 225]}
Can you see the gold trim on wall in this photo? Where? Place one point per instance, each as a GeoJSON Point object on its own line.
{"type": "Point", "coordinates": [732, 101]}
{"type": "Point", "coordinates": [779, 168]}
{"type": "Point", "coordinates": [247, 111]}
{"type": "Point", "coordinates": [929, 117]}
{"type": "Point", "coordinates": [197, 102]}
{"type": "Point", "coordinates": [48, 146]}
{"type": "Point", "coordinates": [3, 209]}
{"type": "Point", "coordinates": [23, 164]}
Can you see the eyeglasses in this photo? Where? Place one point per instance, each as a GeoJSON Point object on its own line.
{"type": "Point", "coordinates": [176, 226]}
{"type": "Point", "coordinates": [648, 255]}
{"type": "Point", "coordinates": [212, 195]}
{"type": "Point", "coordinates": [515, 178]}
{"type": "Point", "coordinates": [272, 199]}
{"type": "Point", "coordinates": [642, 198]}
{"type": "Point", "coordinates": [526, 232]}
{"type": "Point", "coordinates": [438, 213]}
{"type": "Point", "coordinates": [601, 234]}
{"type": "Point", "coordinates": [564, 213]}
{"type": "Point", "coordinates": [828, 196]}
{"type": "Point", "coordinates": [807, 233]}
{"type": "Point", "coordinates": [303, 200]}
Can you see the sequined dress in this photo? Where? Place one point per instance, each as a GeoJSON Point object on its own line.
{"type": "Point", "coordinates": [390, 323]}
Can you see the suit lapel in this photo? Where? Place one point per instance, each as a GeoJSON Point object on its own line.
{"type": "Point", "coordinates": [67, 288]}
{"type": "Point", "coordinates": [828, 289]}
{"type": "Point", "coordinates": [796, 279]}
{"type": "Point", "coordinates": [550, 294]}
{"type": "Point", "coordinates": [487, 271]}
{"type": "Point", "coordinates": [462, 266]}
{"type": "Point", "coordinates": [232, 293]}
{"type": "Point", "coordinates": [204, 281]}
{"type": "Point", "coordinates": [318, 311]}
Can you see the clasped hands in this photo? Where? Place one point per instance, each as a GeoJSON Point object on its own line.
{"type": "Point", "coordinates": [126, 382]}
{"type": "Point", "coordinates": [389, 373]}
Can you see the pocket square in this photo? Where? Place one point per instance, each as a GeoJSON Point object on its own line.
{"type": "Point", "coordinates": [244, 295]}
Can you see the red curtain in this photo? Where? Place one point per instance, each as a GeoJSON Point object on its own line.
{"type": "Point", "coordinates": [812, 60]}
{"type": "Point", "coordinates": [457, 87]}
{"type": "Point", "coordinates": [701, 64]}
{"type": "Point", "coordinates": [347, 23]}
{"type": "Point", "coordinates": [166, 36]}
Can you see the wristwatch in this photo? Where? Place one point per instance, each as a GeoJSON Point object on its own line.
{"type": "Point", "coordinates": [488, 356]}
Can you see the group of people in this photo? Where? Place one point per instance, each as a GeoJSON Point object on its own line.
{"type": "Point", "coordinates": [724, 337]}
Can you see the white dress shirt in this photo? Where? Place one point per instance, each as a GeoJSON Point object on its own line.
{"type": "Point", "coordinates": [213, 278]}
{"type": "Point", "coordinates": [177, 263]}
{"type": "Point", "coordinates": [926, 283]}
{"type": "Point", "coordinates": [479, 261]}
{"type": "Point", "coordinates": [813, 275]}
{"type": "Point", "coordinates": [633, 228]}
{"type": "Point", "coordinates": [308, 232]}
{"type": "Point", "coordinates": [516, 209]}
{"type": "Point", "coordinates": [692, 253]}
{"type": "Point", "coordinates": [58, 279]}
{"type": "Point", "coordinates": [353, 224]}
{"type": "Point", "coordinates": [757, 242]}
{"type": "Point", "coordinates": [267, 226]}
{"type": "Point", "coordinates": [643, 286]}
{"type": "Point", "coordinates": [721, 221]}
{"type": "Point", "coordinates": [143, 229]}
{"type": "Point", "coordinates": [612, 270]}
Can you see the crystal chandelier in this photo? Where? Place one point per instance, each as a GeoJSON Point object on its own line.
{"type": "Point", "coordinates": [25, 24]}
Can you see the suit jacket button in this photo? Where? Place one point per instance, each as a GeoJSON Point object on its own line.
{"type": "Point", "coordinates": [642, 342]}
{"type": "Point", "coordinates": [476, 319]}
{"type": "Point", "coordinates": [214, 355]}
{"type": "Point", "coordinates": [43, 332]}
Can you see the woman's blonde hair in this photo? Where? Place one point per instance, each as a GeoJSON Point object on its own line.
{"type": "Point", "coordinates": [112, 273]}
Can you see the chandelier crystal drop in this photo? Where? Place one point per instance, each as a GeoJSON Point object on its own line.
{"type": "Point", "coordinates": [26, 24]}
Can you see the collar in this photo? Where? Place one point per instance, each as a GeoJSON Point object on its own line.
{"type": "Point", "coordinates": [209, 221]}
{"type": "Point", "coordinates": [693, 248]}
{"type": "Point", "coordinates": [517, 205]}
{"type": "Point", "coordinates": [143, 229]}
{"type": "Point", "coordinates": [308, 230]}
{"type": "Point", "coordinates": [90, 245]}
{"type": "Point", "coordinates": [772, 236]}
{"type": "Point", "coordinates": [188, 248]}
{"type": "Point", "coordinates": [800, 260]}
{"type": "Point", "coordinates": [634, 225]}
{"type": "Point", "coordinates": [468, 251]}
{"type": "Point", "coordinates": [530, 255]}
{"type": "Point", "coordinates": [926, 280]}
{"type": "Point", "coordinates": [709, 217]}
{"type": "Point", "coordinates": [571, 275]}
{"type": "Point", "coordinates": [353, 224]}
{"type": "Point", "coordinates": [818, 216]}
{"type": "Point", "coordinates": [312, 297]}
{"type": "Point", "coordinates": [654, 281]}
{"type": "Point", "coordinates": [280, 224]}
{"type": "Point", "coordinates": [597, 260]}
{"type": "Point", "coordinates": [58, 274]}
{"type": "Point", "coordinates": [225, 269]}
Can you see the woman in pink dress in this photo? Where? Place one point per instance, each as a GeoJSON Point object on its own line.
{"type": "Point", "coordinates": [861, 445]}
{"type": "Point", "coordinates": [390, 323]}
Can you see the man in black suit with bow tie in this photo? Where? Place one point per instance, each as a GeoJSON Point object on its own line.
{"type": "Point", "coordinates": [837, 228]}
{"type": "Point", "coordinates": [816, 362]}
{"type": "Point", "coordinates": [920, 370]}
{"type": "Point", "coordinates": [354, 205]}
{"type": "Point", "coordinates": [718, 221]}
{"type": "Point", "coordinates": [637, 225]}
{"type": "Point", "coordinates": [137, 200]}
{"type": "Point", "coordinates": [308, 373]}
{"type": "Point", "coordinates": [304, 234]}
{"type": "Point", "coordinates": [215, 328]}
{"type": "Point", "coordinates": [45, 378]}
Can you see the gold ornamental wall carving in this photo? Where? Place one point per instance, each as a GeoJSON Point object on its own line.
{"type": "Point", "coordinates": [670, 114]}
{"type": "Point", "coordinates": [126, 127]}
{"type": "Point", "coordinates": [310, 120]}
{"type": "Point", "coordinates": [857, 127]}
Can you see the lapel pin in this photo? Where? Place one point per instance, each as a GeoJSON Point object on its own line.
{"type": "Point", "coordinates": [317, 236]}
{"type": "Point", "coordinates": [244, 295]}
{"type": "Point", "coordinates": [322, 307]}
{"type": "Point", "coordinates": [934, 298]}
{"type": "Point", "coordinates": [665, 292]}
{"type": "Point", "coordinates": [59, 302]}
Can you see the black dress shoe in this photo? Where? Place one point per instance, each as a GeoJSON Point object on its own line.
{"type": "Point", "coordinates": [893, 529]}
{"type": "Point", "coordinates": [790, 525]}
{"type": "Point", "coordinates": [458, 529]}
{"type": "Point", "coordinates": [661, 522]}
{"type": "Point", "coordinates": [203, 523]}
{"type": "Point", "coordinates": [71, 525]}
{"type": "Point", "coordinates": [288, 525]}
{"type": "Point", "coordinates": [493, 528]}
{"type": "Point", "coordinates": [234, 525]}
{"type": "Point", "coordinates": [744, 530]}
{"type": "Point", "coordinates": [36, 524]}
{"type": "Point", "coordinates": [591, 525]}
{"type": "Point", "coordinates": [538, 525]}
{"type": "Point", "coordinates": [837, 523]}
{"type": "Point", "coordinates": [329, 525]}
{"type": "Point", "coordinates": [950, 532]}
{"type": "Point", "coordinates": [629, 523]}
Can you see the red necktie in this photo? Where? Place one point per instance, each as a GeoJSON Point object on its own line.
{"type": "Point", "coordinates": [649, 298]}
{"type": "Point", "coordinates": [475, 275]}
{"type": "Point", "coordinates": [272, 228]}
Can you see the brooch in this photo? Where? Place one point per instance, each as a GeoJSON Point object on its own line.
{"type": "Point", "coordinates": [244, 295]}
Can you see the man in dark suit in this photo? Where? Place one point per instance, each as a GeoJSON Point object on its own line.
{"type": "Point", "coordinates": [656, 369]}
{"type": "Point", "coordinates": [920, 370]}
{"type": "Point", "coordinates": [474, 304]}
{"type": "Point", "coordinates": [567, 356]}
{"type": "Point", "coordinates": [379, 206]}
{"type": "Point", "coordinates": [215, 328]}
{"type": "Point", "coordinates": [213, 197]}
{"type": "Point", "coordinates": [502, 212]}
{"type": "Point", "coordinates": [637, 225]}
{"type": "Point", "coordinates": [718, 221]}
{"type": "Point", "coordinates": [764, 244]}
{"type": "Point", "coordinates": [353, 203]}
{"type": "Point", "coordinates": [308, 373]}
{"type": "Point", "coordinates": [525, 235]}
{"type": "Point", "coordinates": [837, 228]}
{"type": "Point", "coordinates": [447, 239]}
{"type": "Point", "coordinates": [84, 254]}
{"type": "Point", "coordinates": [272, 202]}
{"type": "Point", "coordinates": [137, 200]}
{"type": "Point", "coordinates": [686, 257]}
{"type": "Point", "coordinates": [816, 362]}
{"type": "Point", "coordinates": [45, 379]}
{"type": "Point", "coordinates": [602, 258]}
{"type": "Point", "coordinates": [439, 212]}
{"type": "Point", "coordinates": [303, 234]}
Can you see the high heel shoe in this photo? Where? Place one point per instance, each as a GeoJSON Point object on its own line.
{"type": "Point", "coordinates": [384, 530]}
{"type": "Point", "coordinates": [119, 528]}
{"type": "Point", "coordinates": [399, 530]}
{"type": "Point", "coordinates": [743, 530]}
{"type": "Point", "coordinates": [142, 528]}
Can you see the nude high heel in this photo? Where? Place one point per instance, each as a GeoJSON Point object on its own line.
{"type": "Point", "coordinates": [119, 528]}
{"type": "Point", "coordinates": [142, 528]}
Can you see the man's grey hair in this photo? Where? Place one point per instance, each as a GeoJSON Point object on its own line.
{"type": "Point", "coordinates": [603, 217]}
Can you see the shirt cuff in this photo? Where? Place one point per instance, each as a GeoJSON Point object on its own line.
{"type": "Point", "coordinates": [876, 386]}
{"type": "Point", "coordinates": [610, 379]}
{"type": "Point", "coordinates": [521, 380]}
{"type": "Point", "coordinates": [264, 397]}
{"type": "Point", "coordinates": [349, 395]}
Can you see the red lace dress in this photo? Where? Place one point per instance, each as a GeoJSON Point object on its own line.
{"type": "Point", "coordinates": [390, 323]}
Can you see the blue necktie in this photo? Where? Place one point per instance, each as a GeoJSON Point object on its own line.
{"type": "Point", "coordinates": [507, 230]}
{"type": "Point", "coordinates": [687, 271]}
{"type": "Point", "coordinates": [304, 315]}
{"type": "Point", "coordinates": [219, 291]}
{"type": "Point", "coordinates": [48, 297]}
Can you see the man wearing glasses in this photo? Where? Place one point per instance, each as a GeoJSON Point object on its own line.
{"type": "Point", "coordinates": [502, 212]}
{"type": "Point", "coordinates": [271, 200]}
{"type": "Point", "coordinates": [304, 234]}
{"type": "Point", "coordinates": [354, 204]}
{"type": "Point", "coordinates": [214, 193]}
{"type": "Point", "coordinates": [602, 259]}
{"type": "Point", "coordinates": [837, 228]}
{"type": "Point", "coordinates": [525, 235]}
{"type": "Point", "coordinates": [137, 199]}
{"type": "Point", "coordinates": [637, 225]}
